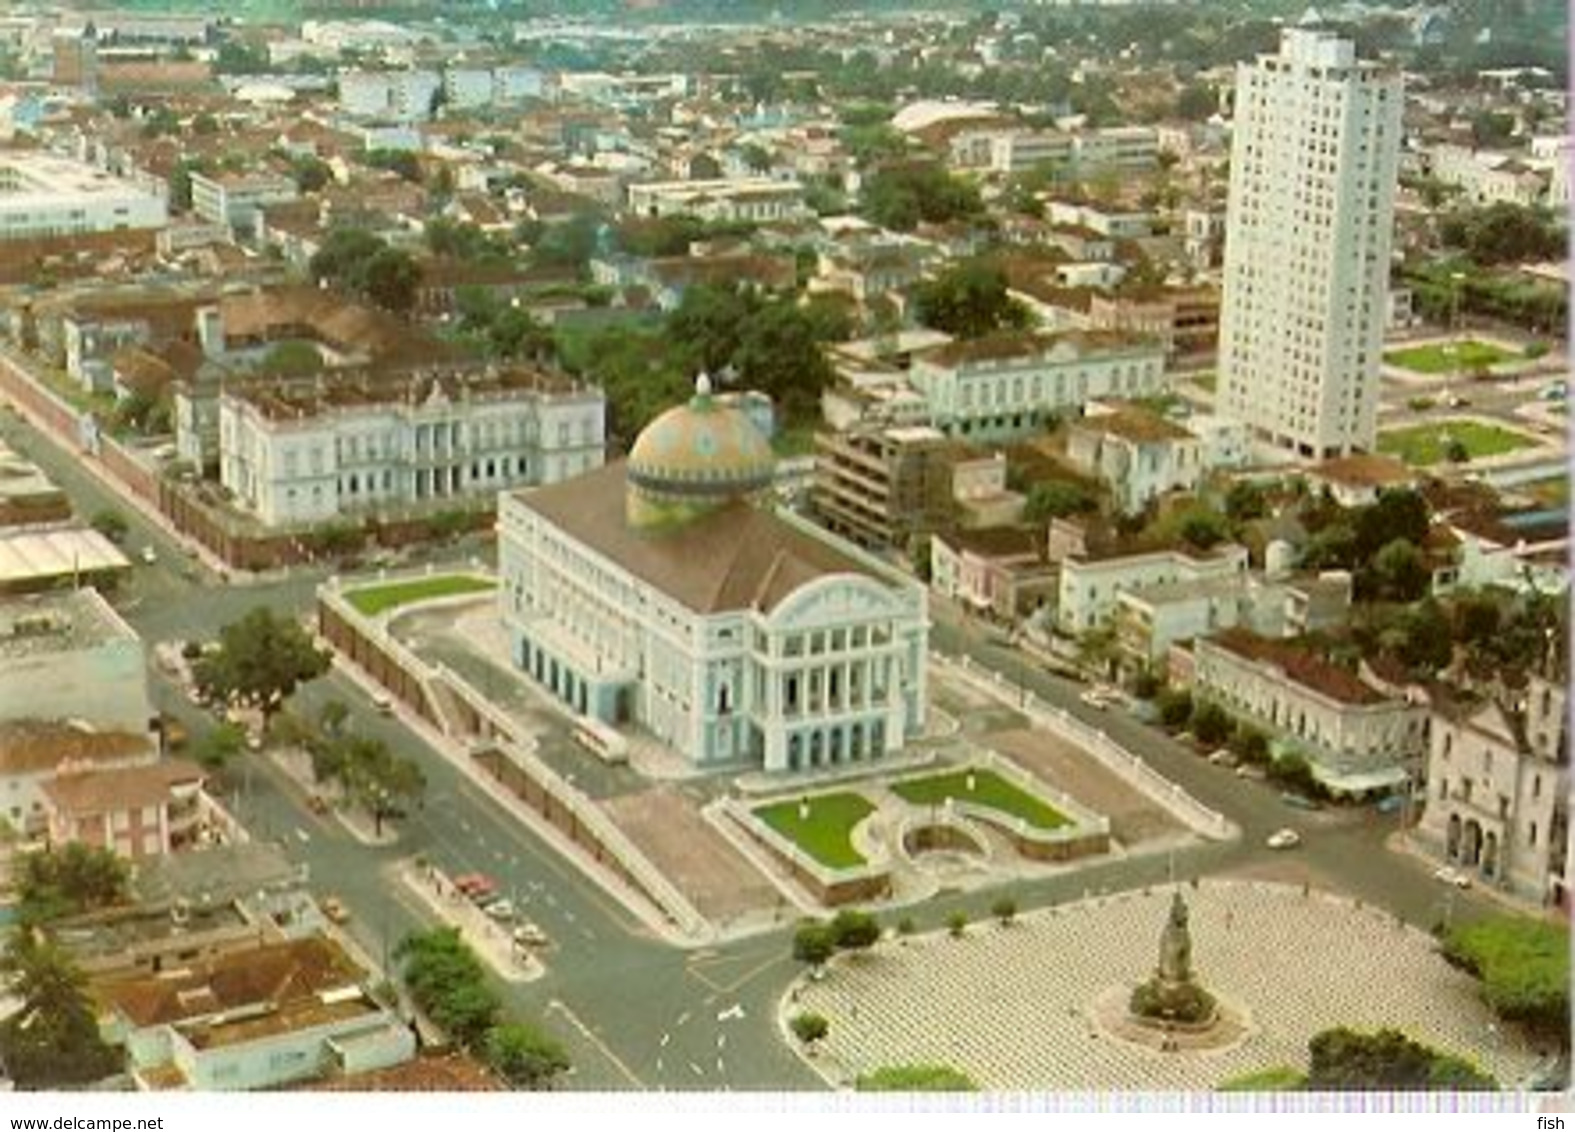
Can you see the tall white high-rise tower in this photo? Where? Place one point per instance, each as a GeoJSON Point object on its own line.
{"type": "Point", "coordinates": [1314, 156]}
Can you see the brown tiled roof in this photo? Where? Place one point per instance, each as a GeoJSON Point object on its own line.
{"type": "Point", "coordinates": [454, 1073]}
{"type": "Point", "coordinates": [1299, 666]}
{"type": "Point", "coordinates": [1365, 470]}
{"type": "Point", "coordinates": [274, 974]}
{"type": "Point", "coordinates": [103, 791]}
{"type": "Point", "coordinates": [30, 746]}
{"type": "Point", "coordinates": [738, 557]}
{"type": "Point", "coordinates": [1135, 424]}
{"type": "Point", "coordinates": [290, 312]}
{"type": "Point", "coordinates": [299, 398]}
{"type": "Point", "coordinates": [997, 542]}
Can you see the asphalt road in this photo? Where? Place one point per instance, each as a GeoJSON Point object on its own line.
{"type": "Point", "coordinates": [636, 1012]}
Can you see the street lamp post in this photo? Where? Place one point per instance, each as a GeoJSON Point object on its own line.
{"type": "Point", "coordinates": [1456, 279]}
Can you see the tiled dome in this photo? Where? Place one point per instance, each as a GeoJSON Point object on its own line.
{"type": "Point", "coordinates": [702, 451]}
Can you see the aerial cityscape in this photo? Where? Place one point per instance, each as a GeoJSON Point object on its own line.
{"type": "Point", "coordinates": [699, 546]}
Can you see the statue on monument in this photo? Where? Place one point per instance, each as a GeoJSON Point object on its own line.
{"type": "Point", "coordinates": [1175, 945]}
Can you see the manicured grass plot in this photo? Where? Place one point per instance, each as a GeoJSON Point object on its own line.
{"type": "Point", "coordinates": [376, 599]}
{"type": "Point", "coordinates": [822, 826]}
{"type": "Point", "coordinates": [1422, 445]}
{"type": "Point", "coordinates": [1447, 357]}
{"type": "Point", "coordinates": [989, 790]}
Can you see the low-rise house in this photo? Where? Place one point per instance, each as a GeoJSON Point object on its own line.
{"type": "Point", "coordinates": [134, 811]}
{"type": "Point", "coordinates": [266, 1017]}
{"type": "Point", "coordinates": [1497, 795]}
{"type": "Point", "coordinates": [1138, 454]}
{"type": "Point", "coordinates": [1358, 739]}
{"type": "Point", "coordinates": [980, 493]}
{"type": "Point", "coordinates": [1091, 584]}
{"type": "Point", "coordinates": [237, 200]}
{"type": "Point", "coordinates": [1185, 319]}
{"type": "Point", "coordinates": [70, 656]}
{"type": "Point", "coordinates": [1358, 480]}
{"type": "Point", "coordinates": [1150, 619]}
{"type": "Point", "coordinates": [34, 752]}
{"type": "Point", "coordinates": [28, 497]}
{"type": "Point", "coordinates": [1001, 572]}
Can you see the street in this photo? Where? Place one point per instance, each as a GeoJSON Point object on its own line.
{"type": "Point", "coordinates": [634, 1011]}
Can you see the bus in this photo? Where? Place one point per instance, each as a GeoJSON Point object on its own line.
{"type": "Point", "coordinates": [602, 741]}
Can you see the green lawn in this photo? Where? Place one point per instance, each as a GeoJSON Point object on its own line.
{"type": "Point", "coordinates": [371, 601]}
{"type": "Point", "coordinates": [1449, 357]}
{"type": "Point", "coordinates": [1423, 445]}
{"type": "Point", "coordinates": [827, 833]}
{"type": "Point", "coordinates": [989, 789]}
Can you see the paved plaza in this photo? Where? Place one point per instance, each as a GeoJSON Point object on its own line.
{"type": "Point", "coordinates": [1010, 1005]}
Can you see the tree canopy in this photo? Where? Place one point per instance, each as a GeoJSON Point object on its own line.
{"type": "Point", "coordinates": [69, 880]}
{"type": "Point", "coordinates": [1344, 1060]}
{"type": "Point", "coordinates": [969, 300]}
{"type": "Point", "coordinates": [901, 197]}
{"type": "Point", "coordinates": [52, 1040]}
{"type": "Point", "coordinates": [1524, 965]}
{"type": "Point", "coordinates": [261, 660]}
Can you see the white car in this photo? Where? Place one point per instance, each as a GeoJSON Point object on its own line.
{"type": "Point", "coordinates": [1450, 876]}
{"type": "Point", "coordinates": [1284, 839]}
{"type": "Point", "coordinates": [500, 910]}
{"type": "Point", "coordinates": [529, 935]}
{"type": "Point", "coordinates": [149, 555]}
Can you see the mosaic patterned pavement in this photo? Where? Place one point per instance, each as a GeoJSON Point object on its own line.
{"type": "Point", "coordinates": [1010, 1005]}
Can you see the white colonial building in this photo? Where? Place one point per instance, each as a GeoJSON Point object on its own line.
{"type": "Point", "coordinates": [1357, 737]}
{"type": "Point", "coordinates": [1141, 456]}
{"type": "Point", "coordinates": [662, 592]}
{"type": "Point", "coordinates": [1008, 385]}
{"type": "Point", "coordinates": [296, 452]}
{"type": "Point", "coordinates": [45, 195]}
{"type": "Point", "coordinates": [1498, 790]}
{"type": "Point", "coordinates": [757, 200]}
{"type": "Point", "coordinates": [1091, 585]}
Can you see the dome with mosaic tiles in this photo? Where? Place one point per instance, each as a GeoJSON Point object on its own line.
{"type": "Point", "coordinates": [699, 454]}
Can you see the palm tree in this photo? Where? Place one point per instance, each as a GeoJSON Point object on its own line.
{"type": "Point", "coordinates": [53, 1040]}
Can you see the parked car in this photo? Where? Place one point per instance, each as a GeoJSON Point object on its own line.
{"type": "Point", "coordinates": [1247, 770]}
{"type": "Point", "coordinates": [1453, 876]}
{"type": "Point", "coordinates": [1300, 801]}
{"type": "Point", "coordinates": [472, 883]}
{"type": "Point", "coordinates": [383, 704]}
{"type": "Point", "coordinates": [335, 910]}
{"type": "Point", "coordinates": [528, 934]}
{"type": "Point", "coordinates": [1555, 391]}
{"type": "Point", "coordinates": [1284, 839]}
{"type": "Point", "coordinates": [500, 910]}
{"type": "Point", "coordinates": [149, 555]}
{"type": "Point", "coordinates": [1223, 757]}
{"type": "Point", "coordinates": [1456, 401]}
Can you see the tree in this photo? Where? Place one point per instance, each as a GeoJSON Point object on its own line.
{"type": "Point", "coordinates": [1524, 966]}
{"type": "Point", "coordinates": [333, 716]}
{"type": "Point", "coordinates": [73, 879]}
{"type": "Point", "coordinates": [1056, 499]}
{"type": "Point", "coordinates": [779, 354]}
{"type": "Point", "coordinates": [180, 183]}
{"type": "Point", "coordinates": [1201, 528]}
{"type": "Point", "coordinates": [809, 1028]}
{"type": "Point", "coordinates": [1249, 744]}
{"type": "Point", "coordinates": [447, 982]}
{"type": "Point", "coordinates": [1296, 774]}
{"type": "Point", "coordinates": [400, 161]}
{"type": "Point", "coordinates": [218, 745]}
{"type": "Point", "coordinates": [1197, 102]}
{"type": "Point", "coordinates": [380, 782]}
{"type": "Point", "coordinates": [916, 1079]}
{"type": "Point", "coordinates": [261, 660]}
{"type": "Point", "coordinates": [1004, 910]}
{"type": "Point", "coordinates": [294, 357]}
{"type": "Point", "coordinates": [853, 930]}
{"type": "Point", "coordinates": [969, 300]}
{"type": "Point", "coordinates": [1245, 501]}
{"type": "Point", "coordinates": [1491, 129]}
{"type": "Point", "coordinates": [391, 278]}
{"type": "Point", "coordinates": [1347, 1060]}
{"type": "Point", "coordinates": [343, 255]}
{"type": "Point", "coordinates": [1398, 514]}
{"type": "Point", "coordinates": [110, 523]}
{"type": "Point", "coordinates": [52, 1040]}
{"type": "Point", "coordinates": [708, 324]}
{"type": "Point", "coordinates": [1398, 573]}
{"type": "Point", "coordinates": [1210, 725]}
{"type": "Point", "coordinates": [310, 174]}
{"type": "Point", "coordinates": [204, 125]}
{"type": "Point", "coordinates": [524, 1056]}
{"type": "Point", "coordinates": [900, 197]}
{"type": "Point", "coordinates": [957, 924]}
{"type": "Point", "coordinates": [814, 943]}
{"type": "Point", "coordinates": [1175, 708]}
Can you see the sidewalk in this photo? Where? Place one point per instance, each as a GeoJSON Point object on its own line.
{"type": "Point", "coordinates": [1405, 844]}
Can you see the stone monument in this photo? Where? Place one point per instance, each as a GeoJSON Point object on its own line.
{"type": "Point", "coordinates": [1173, 998]}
